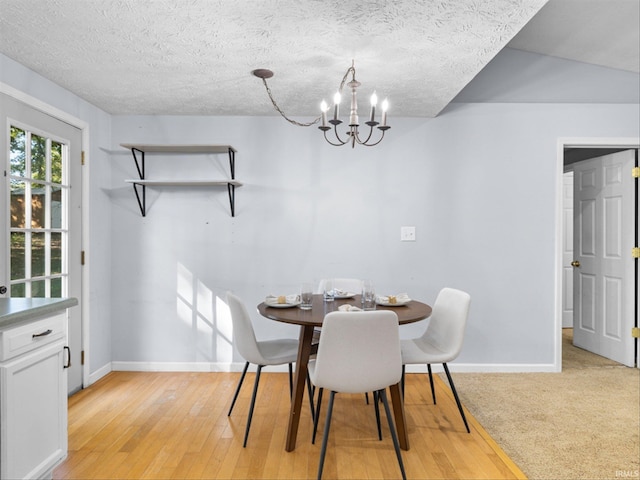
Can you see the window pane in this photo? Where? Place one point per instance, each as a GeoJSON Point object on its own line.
{"type": "Point", "coordinates": [17, 154]}
{"type": "Point", "coordinates": [56, 253]}
{"type": "Point", "coordinates": [38, 157]}
{"type": "Point", "coordinates": [37, 254]}
{"type": "Point", "coordinates": [56, 162]}
{"type": "Point", "coordinates": [17, 290]}
{"type": "Point", "coordinates": [38, 204]}
{"type": "Point", "coordinates": [56, 288]}
{"type": "Point", "coordinates": [17, 204]}
{"type": "Point", "coordinates": [17, 255]}
{"type": "Point", "coordinates": [56, 207]}
{"type": "Point", "coordinates": [38, 289]}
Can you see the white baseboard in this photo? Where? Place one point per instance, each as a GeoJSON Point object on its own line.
{"type": "Point", "coordinates": [98, 374]}
{"type": "Point", "coordinates": [486, 368]}
{"type": "Point", "coordinates": [237, 367]}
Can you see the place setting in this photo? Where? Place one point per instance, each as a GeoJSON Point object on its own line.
{"type": "Point", "coordinates": [283, 301]}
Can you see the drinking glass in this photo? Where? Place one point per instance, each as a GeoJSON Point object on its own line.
{"type": "Point", "coordinates": [306, 296]}
{"type": "Point", "coordinates": [328, 293]}
{"type": "Point", "coordinates": [368, 295]}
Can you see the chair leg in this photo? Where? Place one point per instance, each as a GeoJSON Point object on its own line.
{"type": "Point", "coordinates": [396, 445]}
{"type": "Point", "coordinates": [402, 380]}
{"type": "Point", "coordinates": [325, 437]}
{"type": "Point", "coordinates": [455, 394]}
{"type": "Point", "coordinates": [253, 402]}
{"type": "Point", "coordinates": [291, 380]}
{"type": "Point", "coordinates": [310, 391]}
{"type": "Point", "coordinates": [366, 397]}
{"type": "Point", "coordinates": [376, 401]}
{"type": "Point", "coordinates": [317, 415]}
{"type": "Point", "coordinates": [235, 396]}
{"type": "Point", "coordinates": [433, 391]}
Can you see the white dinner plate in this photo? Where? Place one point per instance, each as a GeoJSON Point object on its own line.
{"type": "Point", "coordinates": [399, 303]}
{"type": "Point", "coordinates": [344, 295]}
{"type": "Point", "coordinates": [282, 305]}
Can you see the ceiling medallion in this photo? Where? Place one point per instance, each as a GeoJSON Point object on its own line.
{"type": "Point", "coordinates": [352, 135]}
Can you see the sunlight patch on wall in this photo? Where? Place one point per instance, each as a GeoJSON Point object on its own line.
{"type": "Point", "coordinates": [224, 339]}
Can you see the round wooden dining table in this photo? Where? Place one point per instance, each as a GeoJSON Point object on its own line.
{"type": "Point", "coordinates": [308, 320]}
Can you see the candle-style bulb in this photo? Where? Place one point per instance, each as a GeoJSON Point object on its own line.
{"type": "Point", "coordinates": [323, 106]}
{"type": "Point", "coordinates": [385, 107]}
{"type": "Point", "coordinates": [336, 102]}
{"type": "Point", "coordinates": [374, 99]}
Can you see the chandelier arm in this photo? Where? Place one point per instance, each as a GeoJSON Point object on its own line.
{"type": "Point", "coordinates": [374, 144]}
{"type": "Point", "coordinates": [357, 137]}
{"type": "Point", "coordinates": [331, 143]}
{"type": "Point", "coordinates": [275, 105]}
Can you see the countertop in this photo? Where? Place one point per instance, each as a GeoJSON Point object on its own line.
{"type": "Point", "coordinates": [19, 310]}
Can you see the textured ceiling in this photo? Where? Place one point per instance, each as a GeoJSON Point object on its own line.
{"type": "Point", "coordinates": [196, 56]}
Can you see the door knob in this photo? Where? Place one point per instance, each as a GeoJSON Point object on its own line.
{"type": "Point", "coordinates": [575, 263]}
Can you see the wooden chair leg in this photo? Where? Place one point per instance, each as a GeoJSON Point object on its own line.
{"type": "Point", "coordinates": [235, 396]}
{"type": "Point", "coordinates": [455, 395]}
{"type": "Point", "coordinates": [253, 402]}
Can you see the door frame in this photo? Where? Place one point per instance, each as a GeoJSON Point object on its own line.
{"type": "Point", "coordinates": [83, 126]}
{"type": "Point", "coordinates": [575, 142]}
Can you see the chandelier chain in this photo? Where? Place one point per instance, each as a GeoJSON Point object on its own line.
{"type": "Point", "coordinates": [275, 105]}
{"type": "Point", "coordinates": [351, 70]}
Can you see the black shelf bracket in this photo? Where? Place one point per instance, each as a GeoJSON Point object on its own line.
{"type": "Point", "coordinates": [142, 199]}
{"type": "Point", "coordinates": [231, 188]}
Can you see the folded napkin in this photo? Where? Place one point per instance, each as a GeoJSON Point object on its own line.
{"type": "Point", "coordinates": [399, 298]}
{"type": "Point", "coordinates": [340, 293]}
{"type": "Point", "coordinates": [290, 299]}
{"type": "Point", "coordinates": [349, 308]}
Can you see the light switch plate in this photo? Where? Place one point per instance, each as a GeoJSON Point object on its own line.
{"type": "Point", "coordinates": [407, 234]}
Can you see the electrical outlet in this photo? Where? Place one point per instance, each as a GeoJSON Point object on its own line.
{"type": "Point", "coordinates": [407, 234]}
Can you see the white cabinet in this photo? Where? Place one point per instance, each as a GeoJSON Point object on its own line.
{"type": "Point", "coordinates": [33, 398]}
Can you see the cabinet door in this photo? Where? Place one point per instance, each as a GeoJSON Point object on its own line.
{"type": "Point", "coordinates": [34, 413]}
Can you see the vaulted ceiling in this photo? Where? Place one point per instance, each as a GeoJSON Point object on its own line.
{"type": "Point", "coordinates": [196, 56]}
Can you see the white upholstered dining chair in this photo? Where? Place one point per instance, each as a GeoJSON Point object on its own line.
{"type": "Point", "coordinates": [358, 352]}
{"type": "Point", "coordinates": [442, 340]}
{"type": "Point", "coordinates": [261, 353]}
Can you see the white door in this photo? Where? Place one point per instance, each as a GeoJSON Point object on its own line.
{"type": "Point", "coordinates": [604, 277]}
{"type": "Point", "coordinates": [567, 250]}
{"type": "Point", "coordinates": [40, 234]}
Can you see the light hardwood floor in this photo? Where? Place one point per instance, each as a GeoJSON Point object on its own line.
{"type": "Point", "coordinates": [175, 426]}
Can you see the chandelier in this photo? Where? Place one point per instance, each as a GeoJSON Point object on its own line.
{"type": "Point", "coordinates": [353, 135]}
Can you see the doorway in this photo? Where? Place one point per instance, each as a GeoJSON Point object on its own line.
{"type": "Point", "coordinates": [597, 153]}
{"type": "Point", "coordinates": [41, 231]}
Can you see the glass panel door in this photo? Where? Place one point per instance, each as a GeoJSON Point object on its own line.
{"type": "Point", "coordinates": [38, 224]}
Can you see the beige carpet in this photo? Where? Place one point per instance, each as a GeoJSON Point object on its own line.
{"type": "Point", "coordinates": [583, 423]}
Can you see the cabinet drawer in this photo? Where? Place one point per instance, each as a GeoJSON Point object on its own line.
{"type": "Point", "coordinates": [24, 338]}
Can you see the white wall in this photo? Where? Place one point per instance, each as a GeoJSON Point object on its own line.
{"type": "Point", "coordinates": [96, 141]}
{"type": "Point", "coordinates": [478, 182]}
